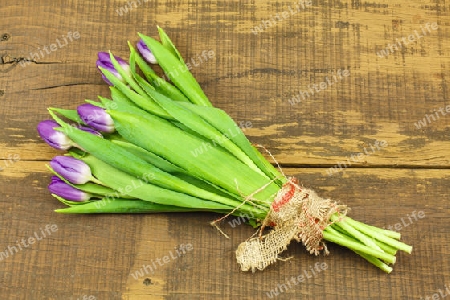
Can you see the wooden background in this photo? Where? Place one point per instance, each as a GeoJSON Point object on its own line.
{"type": "Point", "coordinates": [252, 77]}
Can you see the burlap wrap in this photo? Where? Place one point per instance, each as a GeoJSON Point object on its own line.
{"type": "Point", "coordinates": [296, 214]}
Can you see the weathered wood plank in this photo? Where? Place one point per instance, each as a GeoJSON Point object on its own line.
{"type": "Point", "coordinates": [252, 77]}
{"type": "Point", "coordinates": [98, 255]}
{"type": "Point", "coordinates": [382, 99]}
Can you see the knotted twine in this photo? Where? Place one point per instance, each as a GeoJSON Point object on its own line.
{"type": "Point", "coordinates": [297, 214]}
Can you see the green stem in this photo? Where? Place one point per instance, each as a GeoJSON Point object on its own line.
{"type": "Point", "coordinates": [355, 246]}
{"type": "Point", "coordinates": [386, 248]}
{"type": "Point", "coordinates": [375, 261]}
{"type": "Point", "coordinates": [382, 238]}
{"type": "Point", "coordinates": [393, 234]}
{"type": "Point", "coordinates": [93, 179]}
{"type": "Point", "coordinates": [354, 232]}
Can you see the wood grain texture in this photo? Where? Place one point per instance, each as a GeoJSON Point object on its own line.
{"type": "Point", "coordinates": [252, 77]}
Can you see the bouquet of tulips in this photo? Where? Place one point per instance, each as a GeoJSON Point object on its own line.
{"type": "Point", "coordinates": [160, 146]}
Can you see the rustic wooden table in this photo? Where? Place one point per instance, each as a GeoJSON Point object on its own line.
{"type": "Point", "coordinates": [317, 83]}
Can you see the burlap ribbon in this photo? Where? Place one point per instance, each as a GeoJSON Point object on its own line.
{"type": "Point", "coordinates": [296, 214]}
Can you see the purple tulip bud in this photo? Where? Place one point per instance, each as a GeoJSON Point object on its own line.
{"type": "Point", "coordinates": [96, 117]}
{"type": "Point", "coordinates": [146, 52]}
{"type": "Point", "coordinates": [56, 179]}
{"type": "Point", "coordinates": [62, 189]}
{"type": "Point", "coordinates": [90, 130]}
{"type": "Point", "coordinates": [104, 61]}
{"type": "Point", "coordinates": [54, 138]}
{"type": "Point", "coordinates": [74, 170]}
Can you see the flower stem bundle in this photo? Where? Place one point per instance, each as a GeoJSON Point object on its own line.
{"type": "Point", "coordinates": [160, 146]}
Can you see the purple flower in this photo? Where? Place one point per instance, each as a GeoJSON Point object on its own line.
{"type": "Point", "coordinates": [146, 52]}
{"type": "Point", "coordinates": [55, 179]}
{"type": "Point", "coordinates": [58, 139]}
{"type": "Point", "coordinates": [62, 189]}
{"type": "Point", "coordinates": [104, 61]}
{"type": "Point", "coordinates": [54, 138]}
{"type": "Point", "coordinates": [96, 117]}
{"type": "Point", "coordinates": [90, 130]}
{"type": "Point", "coordinates": [74, 170]}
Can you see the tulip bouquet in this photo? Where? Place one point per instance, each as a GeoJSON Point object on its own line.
{"type": "Point", "coordinates": [160, 146]}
